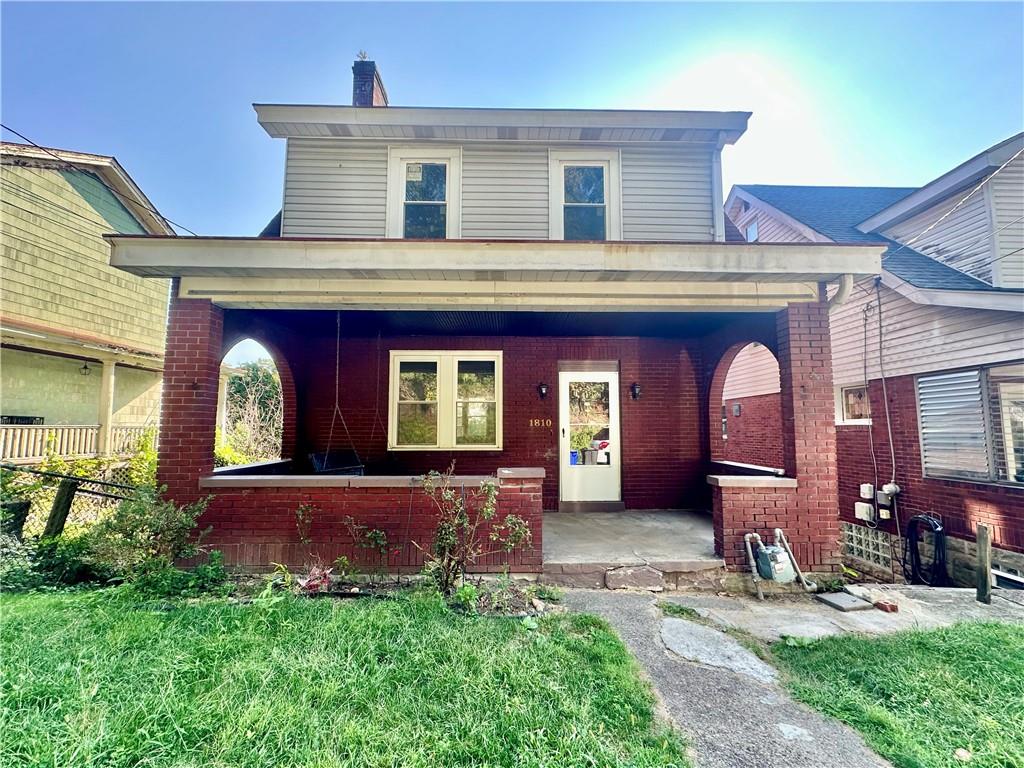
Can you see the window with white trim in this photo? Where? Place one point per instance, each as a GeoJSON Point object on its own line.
{"type": "Point", "coordinates": [972, 424]}
{"type": "Point", "coordinates": [445, 400]}
{"type": "Point", "coordinates": [424, 193]}
{"type": "Point", "coordinates": [584, 195]}
{"type": "Point", "coordinates": [751, 233]}
{"type": "Point", "coordinates": [855, 404]}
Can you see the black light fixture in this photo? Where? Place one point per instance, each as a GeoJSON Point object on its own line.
{"type": "Point", "coordinates": [634, 390]}
{"type": "Point", "coordinates": [85, 370]}
{"type": "Point", "coordinates": [542, 390]}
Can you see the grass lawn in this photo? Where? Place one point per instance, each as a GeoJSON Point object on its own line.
{"type": "Point", "coordinates": [917, 697]}
{"type": "Point", "coordinates": [99, 679]}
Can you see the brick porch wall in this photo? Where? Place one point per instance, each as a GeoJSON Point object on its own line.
{"type": "Point", "coordinates": [254, 527]}
{"type": "Point", "coordinates": [960, 504]}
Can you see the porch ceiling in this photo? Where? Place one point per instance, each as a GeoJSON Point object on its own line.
{"type": "Point", "coordinates": [520, 275]}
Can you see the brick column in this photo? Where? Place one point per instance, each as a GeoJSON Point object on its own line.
{"type": "Point", "coordinates": [188, 413]}
{"type": "Point", "coordinates": [805, 503]}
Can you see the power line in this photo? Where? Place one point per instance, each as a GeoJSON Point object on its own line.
{"type": "Point", "coordinates": [39, 200]}
{"type": "Point", "coordinates": [71, 165]}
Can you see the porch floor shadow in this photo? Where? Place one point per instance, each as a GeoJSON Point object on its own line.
{"type": "Point", "coordinates": [669, 540]}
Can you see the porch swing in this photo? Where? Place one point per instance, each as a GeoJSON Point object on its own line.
{"type": "Point", "coordinates": [337, 461]}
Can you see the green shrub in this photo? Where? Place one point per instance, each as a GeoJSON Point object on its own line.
{"type": "Point", "coordinates": [142, 464]}
{"type": "Point", "coordinates": [68, 560]}
{"type": "Point", "coordinates": [17, 565]}
{"type": "Point", "coordinates": [465, 597]}
{"type": "Point", "coordinates": [225, 455]}
{"type": "Point", "coordinates": [145, 529]}
{"type": "Point", "coordinates": [159, 578]}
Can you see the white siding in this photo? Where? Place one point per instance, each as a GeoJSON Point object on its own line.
{"type": "Point", "coordinates": [963, 240]}
{"type": "Point", "coordinates": [1007, 195]}
{"type": "Point", "coordinates": [338, 188]}
{"type": "Point", "coordinates": [505, 192]}
{"type": "Point", "coordinates": [666, 194]}
{"type": "Point", "coordinates": [918, 338]}
{"type": "Point", "coordinates": [769, 228]}
{"type": "Point", "coordinates": [754, 371]}
{"type": "Point", "coordinates": [334, 188]}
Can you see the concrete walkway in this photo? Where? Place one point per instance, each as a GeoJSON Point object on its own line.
{"type": "Point", "coordinates": [725, 703]}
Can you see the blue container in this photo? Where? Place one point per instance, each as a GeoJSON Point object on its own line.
{"type": "Point", "coordinates": [574, 457]}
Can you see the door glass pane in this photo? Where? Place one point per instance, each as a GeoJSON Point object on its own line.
{"type": "Point", "coordinates": [425, 221]}
{"type": "Point", "coordinates": [589, 423]}
{"type": "Point", "coordinates": [584, 222]}
{"type": "Point", "coordinates": [425, 182]}
{"type": "Point", "coordinates": [417, 403]}
{"type": "Point", "coordinates": [584, 184]}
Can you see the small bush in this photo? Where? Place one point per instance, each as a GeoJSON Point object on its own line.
{"type": "Point", "coordinates": [465, 597]}
{"type": "Point", "coordinates": [17, 565]}
{"type": "Point", "coordinates": [68, 560]}
{"type": "Point", "coordinates": [159, 578]}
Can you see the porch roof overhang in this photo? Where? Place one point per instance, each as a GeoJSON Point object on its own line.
{"type": "Point", "coordinates": [483, 274]}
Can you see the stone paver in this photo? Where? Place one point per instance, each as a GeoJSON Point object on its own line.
{"type": "Point", "coordinates": [704, 645]}
{"type": "Point", "coordinates": [731, 719]}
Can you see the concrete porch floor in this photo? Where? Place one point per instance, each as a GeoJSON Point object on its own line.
{"type": "Point", "coordinates": [669, 540]}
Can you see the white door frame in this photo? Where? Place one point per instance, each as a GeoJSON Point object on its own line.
{"type": "Point", "coordinates": [589, 483]}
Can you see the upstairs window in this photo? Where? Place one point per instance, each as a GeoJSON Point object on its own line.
{"type": "Point", "coordinates": [584, 189]}
{"type": "Point", "coordinates": [445, 400]}
{"type": "Point", "coordinates": [752, 231]}
{"type": "Point", "coordinates": [424, 193]}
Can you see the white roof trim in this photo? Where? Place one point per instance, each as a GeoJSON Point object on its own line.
{"type": "Point", "coordinates": [112, 173]}
{"type": "Point", "coordinates": [1004, 301]}
{"type": "Point", "coordinates": [399, 121]}
{"type": "Point", "coordinates": [949, 183]}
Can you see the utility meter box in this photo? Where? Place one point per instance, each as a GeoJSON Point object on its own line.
{"type": "Point", "coordinates": [773, 564]}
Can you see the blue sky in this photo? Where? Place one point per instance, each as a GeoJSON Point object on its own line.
{"type": "Point", "coordinates": [859, 94]}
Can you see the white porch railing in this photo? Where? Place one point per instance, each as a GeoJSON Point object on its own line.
{"type": "Point", "coordinates": [26, 444]}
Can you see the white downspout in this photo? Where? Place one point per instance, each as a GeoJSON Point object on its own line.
{"type": "Point", "coordinates": [842, 292]}
{"type": "Point", "coordinates": [717, 202]}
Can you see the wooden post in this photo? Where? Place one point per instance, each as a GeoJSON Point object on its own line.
{"type": "Point", "coordinates": [984, 566]}
{"type": "Point", "coordinates": [106, 407]}
{"type": "Point", "coordinates": [61, 508]}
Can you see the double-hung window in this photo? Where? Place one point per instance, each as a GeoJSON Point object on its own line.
{"type": "Point", "coordinates": [972, 424]}
{"type": "Point", "coordinates": [584, 195]}
{"type": "Point", "coordinates": [445, 400]}
{"type": "Point", "coordinates": [424, 193]}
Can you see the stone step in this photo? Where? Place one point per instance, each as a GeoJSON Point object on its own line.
{"type": "Point", "coordinates": [653, 577]}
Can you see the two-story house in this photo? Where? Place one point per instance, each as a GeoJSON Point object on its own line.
{"type": "Point", "coordinates": [928, 359]}
{"type": "Point", "coordinates": [82, 342]}
{"type": "Point", "coordinates": [544, 297]}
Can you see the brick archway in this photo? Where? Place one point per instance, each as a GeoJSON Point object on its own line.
{"type": "Point", "coordinates": [753, 410]}
{"type": "Point", "coordinates": [289, 403]}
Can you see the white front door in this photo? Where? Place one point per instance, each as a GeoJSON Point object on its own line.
{"type": "Point", "coordinates": [589, 443]}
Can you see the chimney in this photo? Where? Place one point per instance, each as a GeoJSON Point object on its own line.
{"type": "Point", "coordinates": [367, 87]}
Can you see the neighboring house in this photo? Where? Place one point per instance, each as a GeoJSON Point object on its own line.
{"type": "Point", "coordinates": [82, 342]}
{"type": "Point", "coordinates": [949, 302]}
{"type": "Point", "coordinates": [549, 298]}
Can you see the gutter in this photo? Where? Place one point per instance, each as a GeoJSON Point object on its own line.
{"type": "Point", "coordinates": [842, 292]}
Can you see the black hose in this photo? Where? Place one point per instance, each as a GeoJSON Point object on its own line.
{"type": "Point", "coordinates": [933, 574]}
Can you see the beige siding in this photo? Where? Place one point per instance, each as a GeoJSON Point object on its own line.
{"type": "Point", "coordinates": [962, 240]}
{"type": "Point", "coordinates": [338, 188]}
{"type": "Point", "coordinates": [769, 228]}
{"type": "Point", "coordinates": [1007, 195]}
{"type": "Point", "coordinates": [918, 338]}
{"type": "Point", "coordinates": [754, 371]}
{"type": "Point", "coordinates": [666, 195]}
{"type": "Point", "coordinates": [505, 192]}
{"type": "Point", "coordinates": [55, 266]}
{"type": "Point", "coordinates": [53, 387]}
{"type": "Point", "coordinates": [334, 188]}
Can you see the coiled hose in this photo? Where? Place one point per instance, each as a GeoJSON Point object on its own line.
{"type": "Point", "coordinates": [933, 574]}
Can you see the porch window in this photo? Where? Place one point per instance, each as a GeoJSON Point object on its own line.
{"type": "Point", "coordinates": [972, 424]}
{"type": "Point", "coordinates": [584, 195]}
{"type": "Point", "coordinates": [445, 400]}
{"type": "Point", "coordinates": [855, 405]}
{"type": "Point", "coordinates": [424, 193]}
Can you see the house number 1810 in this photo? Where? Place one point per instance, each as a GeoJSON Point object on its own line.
{"type": "Point", "coordinates": [540, 422]}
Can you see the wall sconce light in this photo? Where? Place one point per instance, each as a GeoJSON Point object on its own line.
{"type": "Point", "coordinates": [542, 390]}
{"type": "Point", "coordinates": [85, 370]}
{"type": "Point", "coordinates": [634, 391]}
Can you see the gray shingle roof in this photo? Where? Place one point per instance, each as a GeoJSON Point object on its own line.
{"type": "Point", "coordinates": [835, 213]}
